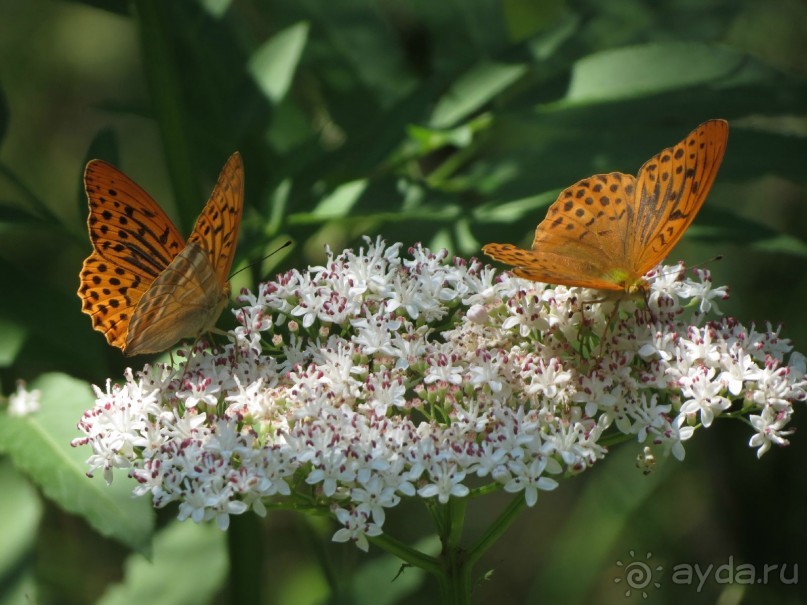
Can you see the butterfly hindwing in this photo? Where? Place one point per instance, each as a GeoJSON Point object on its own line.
{"type": "Point", "coordinates": [550, 268]}
{"type": "Point", "coordinates": [185, 300]}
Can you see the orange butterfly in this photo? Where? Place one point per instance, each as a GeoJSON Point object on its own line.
{"type": "Point", "coordinates": [608, 230]}
{"type": "Point", "coordinates": [144, 288]}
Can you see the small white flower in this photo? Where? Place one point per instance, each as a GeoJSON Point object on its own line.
{"type": "Point", "coordinates": [529, 478]}
{"type": "Point", "coordinates": [442, 368]}
{"type": "Point", "coordinates": [703, 395]}
{"type": "Point", "coordinates": [769, 427]}
{"type": "Point", "coordinates": [356, 528]}
{"type": "Point", "coordinates": [24, 402]}
{"type": "Point", "coordinates": [446, 482]}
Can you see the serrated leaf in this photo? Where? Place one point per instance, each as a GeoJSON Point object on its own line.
{"type": "Point", "coordinates": [39, 445]}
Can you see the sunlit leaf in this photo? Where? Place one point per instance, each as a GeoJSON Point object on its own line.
{"type": "Point", "coordinates": [39, 445]}
{"type": "Point", "coordinates": [272, 66]}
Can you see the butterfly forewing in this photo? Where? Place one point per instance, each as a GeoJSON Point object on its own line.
{"type": "Point", "coordinates": [671, 188]}
{"type": "Point", "coordinates": [216, 229]}
{"type": "Point", "coordinates": [133, 242]}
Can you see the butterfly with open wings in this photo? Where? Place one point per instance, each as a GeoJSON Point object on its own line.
{"type": "Point", "coordinates": [607, 231]}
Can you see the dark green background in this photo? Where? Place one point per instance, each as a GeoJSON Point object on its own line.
{"type": "Point", "coordinates": [451, 123]}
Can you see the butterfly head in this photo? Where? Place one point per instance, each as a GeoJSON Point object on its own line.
{"type": "Point", "coordinates": [627, 282]}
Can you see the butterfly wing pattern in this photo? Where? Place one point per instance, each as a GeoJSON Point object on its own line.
{"type": "Point", "coordinates": [144, 288]}
{"type": "Point", "coordinates": [608, 230]}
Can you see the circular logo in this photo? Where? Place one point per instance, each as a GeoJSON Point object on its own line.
{"type": "Point", "coordinates": [638, 574]}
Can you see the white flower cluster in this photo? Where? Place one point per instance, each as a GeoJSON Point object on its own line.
{"type": "Point", "coordinates": [375, 377]}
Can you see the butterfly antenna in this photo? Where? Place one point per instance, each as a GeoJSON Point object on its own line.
{"type": "Point", "coordinates": [286, 245]}
{"type": "Point", "coordinates": [700, 265]}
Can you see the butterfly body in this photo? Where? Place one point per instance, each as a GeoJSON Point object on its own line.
{"type": "Point", "coordinates": [143, 286]}
{"type": "Point", "coordinates": [608, 230]}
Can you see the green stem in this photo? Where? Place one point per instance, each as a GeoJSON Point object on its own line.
{"type": "Point", "coordinates": [414, 557]}
{"type": "Point", "coordinates": [456, 579]}
{"type": "Point", "coordinates": [245, 545]}
{"type": "Point", "coordinates": [495, 531]}
{"type": "Point", "coordinates": [45, 213]}
{"type": "Point", "coordinates": [456, 521]}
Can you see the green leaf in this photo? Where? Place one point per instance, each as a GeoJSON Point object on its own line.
{"type": "Point", "coordinates": [273, 65]}
{"type": "Point", "coordinates": [473, 90]}
{"type": "Point", "coordinates": [216, 8]}
{"type": "Point", "coordinates": [5, 117]}
{"type": "Point", "coordinates": [525, 18]}
{"type": "Point", "coordinates": [639, 71]}
{"type": "Point", "coordinates": [13, 337]}
{"type": "Point", "coordinates": [384, 580]}
{"type": "Point", "coordinates": [74, 345]}
{"type": "Point", "coordinates": [189, 566]}
{"type": "Point", "coordinates": [721, 225]}
{"type": "Point", "coordinates": [161, 64]}
{"type": "Point", "coordinates": [516, 210]}
{"type": "Point", "coordinates": [113, 6]}
{"type": "Point", "coordinates": [341, 201]}
{"type": "Point", "coordinates": [593, 526]}
{"type": "Point", "coordinates": [13, 215]}
{"type": "Point", "coordinates": [20, 513]}
{"type": "Point", "coordinates": [39, 445]}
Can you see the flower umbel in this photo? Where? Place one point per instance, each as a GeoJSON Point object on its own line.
{"type": "Point", "coordinates": [375, 377]}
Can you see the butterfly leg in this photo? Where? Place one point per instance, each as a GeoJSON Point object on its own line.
{"type": "Point", "coordinates": [230, 336]}
{"type": "Point", "coordinates": [583, 335]}
{"type": "Point", "coordinates": [610, 323]}
{"type": "Point", "coordinates": [191, 349]}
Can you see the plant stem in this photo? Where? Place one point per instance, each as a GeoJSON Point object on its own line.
{"type": "Point", "coordinates": [408, 554]}
{"type": "Point", "coordinates": [454, 567]}
{"type": "Point", "coordinates": [245, 545]}
{"type": "Point", "coordinates": [495, 531]}
{"type": "Point", "coordinates": [456, 579]}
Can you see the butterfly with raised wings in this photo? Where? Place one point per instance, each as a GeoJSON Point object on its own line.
{"type": "Point", "coordinates": [143, 286]}
{"type": "Point", "coordinates": [607, 231]}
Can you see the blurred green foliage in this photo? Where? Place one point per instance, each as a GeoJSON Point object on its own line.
{"type": "Point", "coordinates": [450, 123]}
